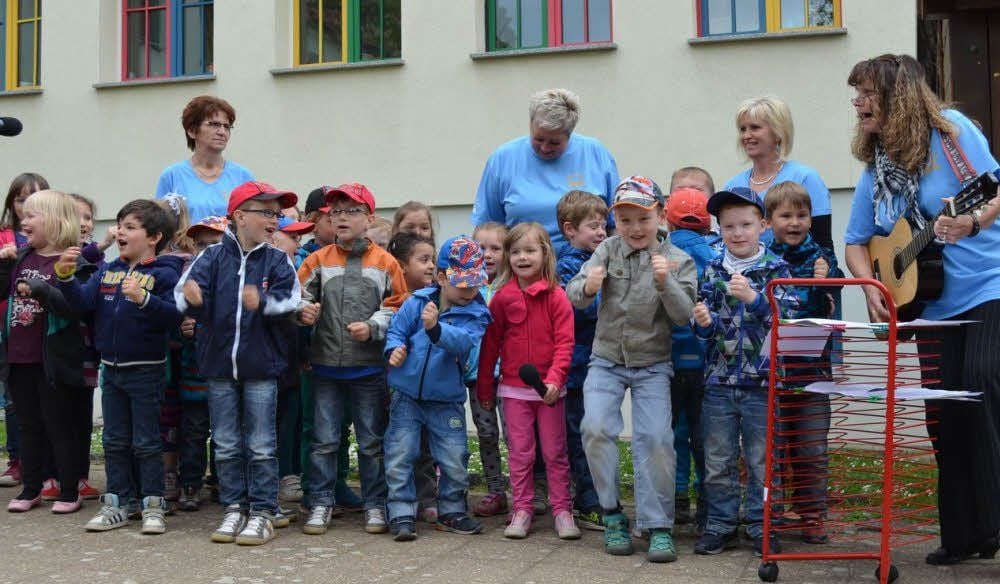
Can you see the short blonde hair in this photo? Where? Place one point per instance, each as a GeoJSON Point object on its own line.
{"type": "Point", "coordinates": [554, 110]}
{"type": "Point", "coordinates": [59, 217]}
{"type": "Point", "coordinates": [773, 112]}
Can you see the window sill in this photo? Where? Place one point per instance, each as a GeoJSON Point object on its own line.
{"type": "Point", "coordinates": [543, 51]}
{"type": "Point", "coordinates": [163, 81]}
{"type": "Point", "coordinates": [17, 92]}
{"type": "Point", "coordinates": [338, 67]}
{"type": "Point", "coordinates": [765, 36]}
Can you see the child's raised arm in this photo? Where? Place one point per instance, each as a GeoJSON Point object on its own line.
{"type": "Point", "coordinates": [583, 288]}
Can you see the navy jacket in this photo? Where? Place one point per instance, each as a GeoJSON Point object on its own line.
{"type": "Point", "coordinates": [235, 343]}
{"type": "Point", "coordinates": [568, 265]}
{"type": "Point", "coordinates": [688, 351]}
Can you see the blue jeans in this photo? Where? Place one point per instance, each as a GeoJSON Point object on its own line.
{"type": "Point", "coordinates": [130, 399]}
{"type": "Point", "coordinates": [586, 494]}
{"type": "Point", "coordinates": [244, 431]}
{"type": "Point", "coordinates": [731, 416]}
{"type": "Point", "coordinates": [652, 437]}
{"type": "Point", "coordinates": [448, 440]}
{"type": "Point", "coordinates": [803, 425]}
{"type": "Point", "coordinates": [367, 397]}
{"type": "Point", "coordinates": [194, 436]}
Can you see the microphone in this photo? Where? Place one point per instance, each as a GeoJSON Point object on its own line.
{"type": "Point", "coordinates": [10, 126]}
{"type": "Point", "coordinates": [529, 374]}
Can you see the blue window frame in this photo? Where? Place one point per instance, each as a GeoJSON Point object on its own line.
{"type": "Point", "coordinates": [193, 28]}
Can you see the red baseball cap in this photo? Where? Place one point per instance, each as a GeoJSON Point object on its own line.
{"type": "Point", "coordinates": [356, 192]}
{"type": "Point", "coordinates": [260, 191]}
{"type": "Point", "coordinates": [688, 209]}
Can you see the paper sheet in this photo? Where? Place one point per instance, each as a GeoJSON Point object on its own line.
{"type": "Point", "coordinates": [872, 391]}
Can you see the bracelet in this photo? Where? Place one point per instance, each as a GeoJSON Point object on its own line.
{"type": "Point", "coordinates": [975, 225]}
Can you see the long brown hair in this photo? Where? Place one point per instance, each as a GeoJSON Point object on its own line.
{"type": "Point", "coordinates": [31, 181]}
{"type": "Point", "coordinates": [906, 108]}
{"type": "Point", "coordinates": [519, 232]}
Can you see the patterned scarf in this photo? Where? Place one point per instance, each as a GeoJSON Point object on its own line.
{"type": "Point", "coordinates": [895, 192]}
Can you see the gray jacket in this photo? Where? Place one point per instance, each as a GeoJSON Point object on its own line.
{"type": "Point", "coordinates": [636, 316]}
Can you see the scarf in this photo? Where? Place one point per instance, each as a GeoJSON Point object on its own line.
{"type": "Point", "coordinates": [735, 265]}
{"type": "Point", "coordinates": [895, 192]}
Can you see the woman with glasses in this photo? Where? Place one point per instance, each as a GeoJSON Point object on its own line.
{"type": "Point", "coordinates": [206, 178]}
{"type": "Point", "coordinates": [910, 143]}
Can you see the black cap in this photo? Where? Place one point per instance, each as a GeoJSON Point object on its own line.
{"type": "Point", "coordinates": [316, 200]}
{"type": "Point", "coordinates": [738, 195]}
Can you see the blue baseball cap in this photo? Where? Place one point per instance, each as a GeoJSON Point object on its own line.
{"type": "Point", "coordinates": [461, 259]}
{"type": "Point", "coordinates": [289, 225]}
{"type": "Point", "coordinates": [738, 195]}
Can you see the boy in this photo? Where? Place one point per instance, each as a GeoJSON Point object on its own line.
{"type": "Point", "coordinates": [238, 291]}
{"type": "Point", "coordinates": [289, 234]}
{"type": "Point", "coordinates": [582, 218]}
{"type": "Point", "coordinates": [692, 177]}
{"type": "Point", "coordinates": [647, 287]}
{"type": "Point", "coordinates": [734, 317]}
{"type": "Point", "coordinates": [380, 231]}
{"type": "Point", "coordinates": [133, 310]}
{"type": "Point", "coordinates": [350, 290]}
{"type": "Point", "coordinates": [435, 328]}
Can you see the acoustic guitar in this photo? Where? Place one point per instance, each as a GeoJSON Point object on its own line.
{"type": "Point", "coordinates": [910, 264]}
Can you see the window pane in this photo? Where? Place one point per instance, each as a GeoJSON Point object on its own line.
{"type": "Point", "coordinates": [136, 3]}
{"type": "Point", "coordinates": [821, 13]}
{"type": "Point", "coordinates": [532, 23]}
{"type": "Point", "coordinates": [209, 64]}
{"type": "Point", "coordinates": [157, 2]}
{"type": "Point", "coordinates": [25, 9]}
{"type": "Point", "coordinates": [599, 20]}
{"type": "Point", "coordinates": [720, 16]}
{"type": "Point", "coordinates": [26, 55]}
{"type": "Point", "coordinates": [136, 45]}
{"type": "Point", "coordinates": [572, 21]}
{"type": "Point", "coordinates": [308, 31]}
{"type": "Point", "coordinates": [192, 41]}
{"type": "Point", "coordinates": [748, 16]}
{"type": "Point", "coordinates": [793, 14]}
{"type": "Point", "coordinates": [506, 25]}
{"type": "Point", "coordinates": [371, 30]}
{"type": "Point", "coordinates": [157, 43]}
{"type": "Point", "coordinates": [392, 38]}
{"type": "Point", "coordinates": [332, 31]}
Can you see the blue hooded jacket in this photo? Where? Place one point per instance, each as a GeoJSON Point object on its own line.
{"type": "Point", "coordinates": [688, 351]}
{"type": "Point", "coordinates": [435, 359]}
{"type": "Point", "coordinates": [568, 265]}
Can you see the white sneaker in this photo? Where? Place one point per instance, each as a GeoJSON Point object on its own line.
{"type": "Point", "coordinates": [258, 531]}
{"type": "Point", "coordinates": [111, 516]}
{"type": "Point", "coordinates": [153, 522]}
{"type": "Point", "coordinates": [318, 522]}
{"type": "Point", "coordinates": [290, 488]}
{"type": "Point", "coordinates": [375, 521]}
{"type": "Point", "coordinates": [232, 524]}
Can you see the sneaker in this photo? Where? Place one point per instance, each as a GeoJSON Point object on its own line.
{"type": "Point", "coordinates": [404, 528]}
{"type": "Point", "coordinates": [50, 490]}
{"type": "Point", "coordinates": [592, 519]}
{"type": "Point", "coordinates": [284, 517]}
{"type": "Point", "coordinates": [232, 524]}
{"type": "Point", "coordinates": [12, 476]}
{"type": "Point", "coordinates": [318, 522]}
{"type": "Point", "coordinates": [565, 526]}
{"type": "Point", "coordinates": [429, 515]}
{"type": "Point", "coordinates": [190, 499]}
{"type": "Point", "coordinates": [153, 512]}
{"type": "Point", "coordinates": [111, 516]}
{"type": "Point", "coordinates": [171, 486]}
{"type": "Point", "coordinates": [86, 491]}
{"type": "Point", "coordinates": [682, 511]}
{"type": "Point", "coordinates": [617, 540]}
{"type": "Point", "coordinates": [539, 503]}
{"type": "Point", "coordinates": [774, 545]}
{"type": "Point", "coordinates": [65, 507]}
{"type": "Point", "coordinates": [490, 505]}
{"type": "Point", "coordinates": [290, 488]}
{"type": "Point", "coordinates": [375, 521]}
{"type": "Point", "coordinates": [347, 498]}
{"type": "Point", "coordinates": [22, 505]}
{"type": "Point", "coordinates": [711, 544]}
{"type": "Point", "coordinates": [257, 531]}
{"type": "Point", "coordinates": [459, 523]}
{"type": "Point", "coordinates": [661, 547]}
{"type": "Point", "coordinates": [520, 525]}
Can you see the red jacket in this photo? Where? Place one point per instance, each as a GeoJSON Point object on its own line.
{"type": "Point", "coordinates": [534, 325]}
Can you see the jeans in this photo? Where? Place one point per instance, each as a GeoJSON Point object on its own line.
{"type": "Point", "coordinates": [244, 433]}
{"type": "Point", "coordinates": [194, 434]}
{"type": "Point", "coordinates": [586, 494]}
{"type": "Point", "coordinates": [801, 442]}
{"type": "Point", "coordinates": [687, 390]}
{"type": "Point", "coordinates": [731, 416]}
{"type": "Point", "coordinates": [130, 399]}
{"type": "Point", "coordinates": [10, 419]}
{"type": "Point", "coordinates": [289, 430]}
{"type": "Point", "coordinates": [652, 437]}
{"type": "Point", "coordinates": [305, 438]}
{"type": "Point", "coordinates": [443, 425]}
{"type": "Point", "coordinates": [367, 397]}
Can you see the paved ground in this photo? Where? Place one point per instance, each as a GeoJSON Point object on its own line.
{"type": "Point", "coordinates": [41, 547]}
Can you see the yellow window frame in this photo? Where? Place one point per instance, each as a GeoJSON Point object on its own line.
{"type": "Point", "coordinates": [14, 23]}
{"type": "Point", "coordinates": [774, 16]}
{"type": "Point", "coordinates": [297, 28]}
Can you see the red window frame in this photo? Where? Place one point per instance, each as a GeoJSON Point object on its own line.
{"type": "Point", "coordinates": [146, 9]}
{"type": "Point", "coordinates": [556, 24]}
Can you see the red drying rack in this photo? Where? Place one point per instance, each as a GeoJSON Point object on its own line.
{"type": "Point", "coordinates": [878, 469]}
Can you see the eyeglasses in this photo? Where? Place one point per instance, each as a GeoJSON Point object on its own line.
{"type": "Point", "coordinates": [217, 125]}
{"type": "Point", "coordinates": [352, 212]}
{"type": "Point", "coordinates": [270, 214]}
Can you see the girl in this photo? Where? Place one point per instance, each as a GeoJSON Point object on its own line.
{"type": "Point", "coordinates": [532, 325]}
{"type": "Point", "coordinates": [415, 254]}
{"type": "Point", "coordinates": [43, 347]}
{"type": "Point", "coordinates": [92, 251]}
{"type": "Point", "coordinates": [413, 217]}
{"type": "Point", "coordinates": [181, 244]}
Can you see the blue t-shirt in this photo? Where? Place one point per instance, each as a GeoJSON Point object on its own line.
{"type": "Point", "coordinates": [203, 199]}
{"type": "Point", "coordinates": [972, 265]}
{"type": "Point", "coordinates": [819, 195]}
{"type": "Point", "coordinates": [517, 186]}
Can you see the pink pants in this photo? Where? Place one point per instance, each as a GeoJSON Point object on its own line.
{"type": "Point", "coordinates": [520, 417]}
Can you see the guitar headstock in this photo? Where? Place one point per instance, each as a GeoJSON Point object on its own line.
{"type": "Point", "coordinates": [973, 196]}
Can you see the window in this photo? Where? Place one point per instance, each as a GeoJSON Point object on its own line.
{"type": "Point", "coordinates": [531, 24]}
{"type": "Point", "coordinates": [342, 31]}
{"type": "Point", "coordinates": [166, 38]}
{"type": "Point", "coordinates": [20, 38]}
{"type": "Point", "coordinates": [728, 17]}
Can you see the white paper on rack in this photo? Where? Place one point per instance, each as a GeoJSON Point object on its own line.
{"type": "Point", "coordinates": [921, 323]}
{"type": "Point", "coordinates": [869, 390]}
{"type": "Point", "coordinates": [880, 326]}
{"type": "Point", "coordinates": [798, 341]}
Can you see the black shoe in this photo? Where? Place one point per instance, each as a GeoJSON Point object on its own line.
{"type": "Point", "coordinates": [711, 544]}
{"type": "Point", "coordinates": [682, 511]}
{"type": "Point", "coordinates": [774, 545]}
{"type": "Point", "coordinates": [459, 523]}
{"type": "Point", "coordinates": [942, 557]}
{"type": "Point", "coordinates": [404, 528]}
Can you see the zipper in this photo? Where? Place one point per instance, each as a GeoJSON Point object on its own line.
{"type": "Point", "coordinates": [423, 371]}
{"type": "Point", "coordinates": [239, 307]}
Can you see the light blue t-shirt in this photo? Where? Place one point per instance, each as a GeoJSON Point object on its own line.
{"type": "Point", "coordinates": [517, 186]}
{"type": "Point", "coordinates": [972, 265]}
{"type": "Point", "coordinates": [819, 195]}
{"type": "Point", "coordinates": [203, 199]}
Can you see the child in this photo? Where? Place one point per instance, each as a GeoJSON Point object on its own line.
{"type": "Point", "coordinates": [804, 415]}
{"type": "Point", "coordinates": [92, 251]}
{"type": "Point", "coordinates": [413, 217]}
{"type": "Point", "coordinates": [380, 232]}
{"type": "Point", "coordinates": [292, 213]}
{"type": "Point", "coordinates": [42, 349]}
{"type": "Point", "coordinates": [734, 317]}
{"type": "Point", "coordinates": [532, 325]}
{"type": "Point", "coordinates": [317, 213]}
{"type": "Point", "coordinates": [697, 178]}
{"type": "Point", "coordinates": [582, 219]}
{"type": "Point", "coordinates": [647, 287]}
{"type": "Point", "coordinates": [415, 255]}
{"type": "Point", "coordinates": [239, 291]}
{"type": "Point", "coordinates": [435, 329]}
{"type": "Point", "coordinates": [489, 237]}
{"type": "Point", "coordinates": [350, 291]}
{"type": "Point", "coordinates": [289, 234]}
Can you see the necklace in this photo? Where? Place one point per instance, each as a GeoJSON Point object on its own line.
{"type": "Point", "coordinates": [768, 179]}
{"type": "Point", "coordinates": [207, 175]}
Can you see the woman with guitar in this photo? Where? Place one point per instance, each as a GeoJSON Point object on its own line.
{"type": "Point", "coordinates": [916, 153]}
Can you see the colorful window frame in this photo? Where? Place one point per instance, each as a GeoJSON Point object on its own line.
{"type": "Point", "coordinates": [20, 41]}
{"type": "Point", "coordinates": [535, 24]}
{"type": "Point", "coordinates": [346, 31]}
{"type": "Point", "coordinates": [167, 38]}
{"type": "Point", "coordinates": [736, 17]}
